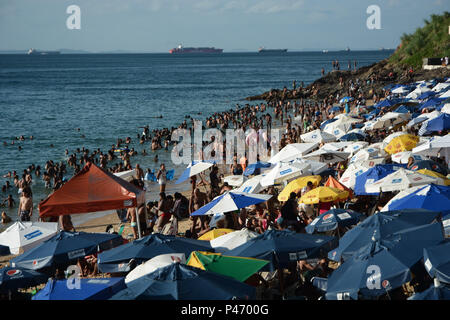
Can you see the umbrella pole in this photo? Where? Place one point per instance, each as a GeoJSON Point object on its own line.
{"type": "Point", "coordinates": [138, 223]}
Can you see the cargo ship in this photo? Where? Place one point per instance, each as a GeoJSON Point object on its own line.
{"type": "Point", "coordinates": [36, 52]}
{"type": "Point", "coordinates": [181, 49]}
{"type": "Point", "coordinates": [264, 50]}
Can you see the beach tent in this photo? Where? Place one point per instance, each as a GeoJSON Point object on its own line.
{"type": "Point", "coordinates": [232, 240]}
{"type": "Point", "coordinates": [182, 282]}
{"type": "Point", "coordinates": [153, 264]}
{"type": "Point", "coordinates": [91, 190]}
{"type": "Point", "coordinates": [380, 225]}
{"type": "Point", "coordinates": [389, 258]}
{"type": "Point", "coordinates": [293, 151]}
{"type": "Point", "coordinates": [89, 289]}
{"type": "Point", "coordinates": [437, 261]}
{"type": "Point", "coordinates": [23, 236]}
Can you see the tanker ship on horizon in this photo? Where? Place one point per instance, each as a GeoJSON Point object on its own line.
{"type": "Point", "coordinates": [181, 49]}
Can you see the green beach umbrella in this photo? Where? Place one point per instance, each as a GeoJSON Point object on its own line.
{"type": "Point", "coordinates": [239, 268]}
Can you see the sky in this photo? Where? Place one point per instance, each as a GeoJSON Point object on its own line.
{"type": "Point", "coordinates": [233, 25]}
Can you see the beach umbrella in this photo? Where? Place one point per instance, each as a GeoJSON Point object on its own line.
{"type": "Point", "coordinates": [332, 182]}
{"type": "Point", "coordinates": [251, 168]}
{"type": "Point", "coordinates": [437, 261]}
{"type": "Point", "coordinates": [317, 136]}
{"type": "Point", "coordinates": [292, 151]}
{"type": "Point", "coordinates": [399, 180]}
{"type": "Point", "coordinates": [12, 278]}
{"type": "Point", "coordinates": [346, 99]}
{"type": "Point", "coordinates": [352, 137]}
{"type": "Point", "coordinates": [403, 157]}
{"type": "Point", "coordinates": [65, 248]}
{"type": "Point", "coordinates": [181, 282]}
{"type": "Point", "coordinates": [373, 174]}
{"type": "Point", "coordinates": [443, 180]}
{"type": "Point", "coordinates": [239, 268]}
{"type": "Point", "coordinates": [284, 171]}
{"type": "Point", "coordinates": [141, 250]}
{"type": "Point", "coordinates": [296, 185]}
{"type": "Point", "coordinates": [214, 233]}
{"type": "Point", "coordinates": [405, 142]}
{"type": "Point", "coordinates": [333, 218]}
{"type": "Point", "coordinates": [235, 181]}
{"type": "Point", "coordinates": [327, 156]}
{"type": "Point", "coordinates": [252, 185]}
{"type": "Point", "coordinates": [283, 247]}
{"type": "Point", "coordinates": [436, 291]}
{"type": "Point", "coordinates": [231, 201]}
{"type": "Point", "coordinates": [440, 123]}
{"type": "Point", "coordinates": [232, 240]}
{"type": "Point", "coordinates": [431, 197]}
{"type": "Point", "coordinates": [153, 264]}
{"type": "Point", "coordinates": [23, 236]}
{"type": "Point", "coordinates": [89, 289]}
{"type": "Point", "coordinates": [323, 194]}
{"type": "Point", "coordinates": [195, 167]}
{"type": "Point", "coordinates": [430, 165]}
{"type": "Point", "coordinates": [381, 224]}
{"type": "Point", "coordinates": [383, 263]}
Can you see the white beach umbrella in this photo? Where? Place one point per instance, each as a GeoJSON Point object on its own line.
{"type": "Point", "coordinates": [252, 185]}
{"type": "Point", "coordinates": [153, 264]}
{"type": "Point", "coordinates": [336, 146]}
{"type": "Point", "coordinates": [317, 136]}
{"type": "Point", "coordinates": [327, 156]}
{"type": "Point", "coordinates": [232, 240]}
{"type": "Point", "coordinates": [235, 180]}
{"type": "Point", "coordinates": [403, 157]}
{"type": "Point", "coordinates": [284, 171]}
{"type": "Point", "coordinates": [400, 180]}
{"type": "Point", "coordinates": [23, 236]}
{"type": "Point", "coordinates": [293, 151]}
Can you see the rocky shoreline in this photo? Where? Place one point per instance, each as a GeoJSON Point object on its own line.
{"type": "Point", "coordinates": [380, 74]}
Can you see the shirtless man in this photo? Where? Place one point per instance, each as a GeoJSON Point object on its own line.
{"type": "Point", "coordinates": [25, 210]}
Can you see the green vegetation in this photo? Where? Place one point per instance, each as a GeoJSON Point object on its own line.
{"type": "Point", "coordinates": [430, 41]}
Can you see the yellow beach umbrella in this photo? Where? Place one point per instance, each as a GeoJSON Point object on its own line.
{"type": "Point", "coordinates": [323, 194]}
{"type": "Point", "coordinates": [215, 233]}
{"type": "Point", "coordinates": [296, 185]}
{"type": "Point", "coordinates": [445, 180]}
{"type": "Point", "coordinates": [405, 142]}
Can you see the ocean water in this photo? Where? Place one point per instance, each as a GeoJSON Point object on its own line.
{"type": "Point", "coordinates": [109, 96]}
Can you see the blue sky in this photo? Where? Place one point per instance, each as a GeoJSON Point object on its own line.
{"type": "Point", "coordinates": [158, 25]}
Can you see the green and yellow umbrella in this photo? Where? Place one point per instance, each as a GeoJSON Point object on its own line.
{"type": "Point", "coordinates": [239, 268]}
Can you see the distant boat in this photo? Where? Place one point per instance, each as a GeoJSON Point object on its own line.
{"type": "Point", "coordinates": [264, 50]}
{"type": "Point", "coordinates": [36, 52]}
{"type": "Point", "coordinates": [181, 49]}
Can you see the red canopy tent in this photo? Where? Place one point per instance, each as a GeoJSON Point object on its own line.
{"type": "Point", "coordinates": [91, 190]}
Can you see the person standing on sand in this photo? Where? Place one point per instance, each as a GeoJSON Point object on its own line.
{"type": "Point", "coordinates": [161, 176]}
{"type": "Point", "coordinates": [25, 210]}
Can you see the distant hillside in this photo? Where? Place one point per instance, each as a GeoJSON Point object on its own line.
{"type": "Point", "coordinates": [430, 41]}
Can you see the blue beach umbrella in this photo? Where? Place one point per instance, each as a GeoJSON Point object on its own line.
{"type": "Point", "coordinates": [434, 292]}
{"type": "Point", "coordinates": [255, 166]}
{"type": "Point", "coordinates": [352, 136]}
{"type": "Point", "coordinates": [231, 201]}
{"type": "Point", "coordinates": [282, 247]}
{"type": "Point", "coordinates": [439, 123]}
{"type": "Point", "coordinates": [383, 264]}
{"type": "Point", "coordinates": [141, 250]}
{"type": "Point", "coordinates": [333, 218]}
{"type": "Point", "coordinates": [12, 279]}
{"type": "Point", "coordinates": [437, 261]}
{"type": "Point", "coordinates": [65, 248]}
{"type": "Point", "coordinates": [431, 197]}
{"type": "Point", "coordinates": [85, 289]}
{"type": "Point", "coordinates": [182, 282]}
{"type": "Point", "coordinates": [375, 173]}
{"type": "Point", "coordinates": [380, 225]}
{"type": "Point", "coordinates": [430, 165]}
